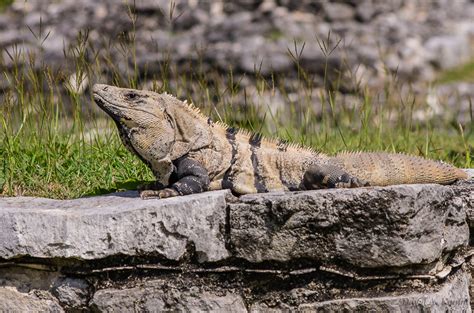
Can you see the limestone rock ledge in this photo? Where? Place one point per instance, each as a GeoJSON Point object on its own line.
{"type": "Point", "coordinates": [375, 227]}
{"type": "Point", "coordinates": [393, 248]}
{"type": "Point", "coordinates": [120, 223]}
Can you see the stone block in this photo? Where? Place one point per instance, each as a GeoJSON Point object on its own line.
{"type": "Point", "coordinates": [115, 224]}
{"type": "Point", "coordinates": [366, 227]}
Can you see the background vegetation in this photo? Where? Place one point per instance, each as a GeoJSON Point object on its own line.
{"type": "Point", "coordinates": [55, 143]}
{"type": "Point", "coordinates": [5, 3]}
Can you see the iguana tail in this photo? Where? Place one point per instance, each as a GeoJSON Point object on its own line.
{"type": "Point", "coordinates": [383, 169]}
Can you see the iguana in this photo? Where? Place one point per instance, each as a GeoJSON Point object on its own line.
{"type": "Point", "coordinates": [189, 153]}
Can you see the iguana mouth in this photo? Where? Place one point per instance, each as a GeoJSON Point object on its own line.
{"type": "Point", "coordinates": [108, 108]}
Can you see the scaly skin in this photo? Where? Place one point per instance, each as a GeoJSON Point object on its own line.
{"type": "Point", "coordinates": [188, 153]}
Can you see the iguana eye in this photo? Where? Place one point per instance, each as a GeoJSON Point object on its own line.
{"type": "Point", "coordinates": [131, 95]}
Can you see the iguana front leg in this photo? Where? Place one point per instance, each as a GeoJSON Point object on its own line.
{"type": "Point", "coordinates": [330, 176]}
{"type": "Point", "coordinates": [192, 178]}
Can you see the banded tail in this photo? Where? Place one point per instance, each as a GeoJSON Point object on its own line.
{"type": "Point", "coordinates": [383, 169]}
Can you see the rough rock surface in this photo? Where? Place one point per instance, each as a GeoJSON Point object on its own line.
{"type": "Point", "coordinates": [374, 227]}
{"type": "Point", "coordinates": [450, 296]}
{"type": "Point", "coordinates": [469, 198]}
{"type": "Point", "coordinates": [14, 301]}
{"type": "Point", "coordinates": [150, 296]}
{"type": "Point", "coordinates": [94, 228]}
{"type": "Point", "coordinates": [41, 289]}
{"type": "Point", "coordinates": [230, 292]}
{"type": "Point", "coordinates": [330, 250]}
{"type": "Point", "coordinates": [453, 296]}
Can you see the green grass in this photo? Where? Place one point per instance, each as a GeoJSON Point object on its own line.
{"type": "Point", "coordinates": [66, 170]}
{"type": "Point", "coordinates": [55, 144]}
{"type": "Point", "coordinates": [4, 4]}
{"type": "Point", "coordinates": [464, 72]}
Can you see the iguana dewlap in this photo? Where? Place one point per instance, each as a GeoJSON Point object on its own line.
{"type": "Point", "coordinates": [188, 153]}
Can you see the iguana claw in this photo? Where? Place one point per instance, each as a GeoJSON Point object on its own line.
{"type": "Point", "coordinates": [329, 176]}
{"type": "Point", "coordinates": [154, 194]}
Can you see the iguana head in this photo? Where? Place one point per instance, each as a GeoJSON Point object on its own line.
{"type": "Point", "coordinates": [153, 126]}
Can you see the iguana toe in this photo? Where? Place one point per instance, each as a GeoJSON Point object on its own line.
{"type": "Point", "coordinates": [158, 194]}
{"type": "Point", "coordinates": [329, 176]}
{"type": "Point", "coordinates": [348, 181]}
{"type": "Point", "coordinates": [149, 194]}
{"type": "Point", "coordinates": [167, 193]}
